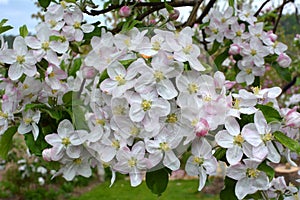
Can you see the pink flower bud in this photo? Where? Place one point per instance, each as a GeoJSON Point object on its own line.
{"type": "Point", "coordinates": [272, 36]}
{"type": "Point", "coordinates": [88, 72]}
{"type": "Point", "coordinates": [293, 118]}
{"type": "Point", "coordinates": [284, 60]}
{"type": "Point", "coordinates": [152, 21]}
{"type": "Point", "coordinates": [174, 14]}
{"type": "Point", "coordinates": [201, 128]}
{"type": "Point", "coordinates": [47, 154]}
{"type": "Point", "coordinates": [125, 11]}
{"type": "Point", "coordinates": [234, 49]}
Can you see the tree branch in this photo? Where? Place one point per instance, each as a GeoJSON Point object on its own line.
{"type": "Point", "coordinates": [193, 15]}
{"type": "Point", "coordinates": [261, 7]}
{"type": "Point", "coordinates": [205, 11]}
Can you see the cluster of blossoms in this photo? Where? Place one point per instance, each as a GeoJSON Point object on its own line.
{"type": "Point", "coordinates": [249, 43]}
{"type": "Point", "coordinates": [142, 99]}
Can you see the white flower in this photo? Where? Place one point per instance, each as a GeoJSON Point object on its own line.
{"type": "Point", "coordinates": [249, 178]}
{"type": "Point", "coordinates": [29, 123]}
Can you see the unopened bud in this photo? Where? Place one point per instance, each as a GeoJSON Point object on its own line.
{"type": "Point", "coordinates": [174, 14]}
{"type": "Point", "coordinates": [125, 11]}
{"type": "Point", "coordinates": [234, 49]}
{"type": "Point", "coordinates": [88, 72]}
{"type": "Point", "coordinates": [284, 60]}
{"type": "Point", "coordinates": [47, 154]}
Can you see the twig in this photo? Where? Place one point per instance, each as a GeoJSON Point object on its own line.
{"type": "Point", "coordinates": [193, 14]}
{"type": "Point", "coordinates": [289, 85]}
{"type": "Point", "coordinates": [261, 7]}
{"type": "Point", "coordinates": [279, 16]}
{"type": "Point", "coordinates": [205, 11]}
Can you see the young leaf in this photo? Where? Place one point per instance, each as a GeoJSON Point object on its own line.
{"type": "Point", "coordinates": [270, 113]}
{"type": "Point", "coordinates": [267, 169]}
{"type": "Point", "coordinates": [6, 141]}
{"type": "Point", "coordinates": [220, 58]}
{"type": "Point", "coordinates": [23, 31]}
{"type": "Point", "coordinates": [291, 144]}
{"type": "Point", "coordinates": [157, 181]}
{"type": "Point", "coordinates": [44, 3]}
{"type": "Point", "coordinates": [284, 73]}
{"type": "Point", "coordinates": [35, 147]}
{"type": "Point", "coordinates": [4, 28]}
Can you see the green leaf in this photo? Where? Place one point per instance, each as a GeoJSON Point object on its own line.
{"type": "Point", "coordinates": [267, 169]}
{"type": "Point", "coordinates": [33, 106]}
{"type": "Point", "coordinates": [23, 31]}
{"type": "Point", "coordinates": [291, 144]}
{"type": "Point", "coordinates": [103, 75]}
{"type": "Point", "coordinates": [168, 7]}
{"type": "Point", "coordinates": [246, 119]}
{"type": "Point", "coordinates": [35, 147]}
{"type": "Point", "coordinates": [231, 3]}
{"type": "Point", "coordinates": [283, 73]}
{"type": "Point", "coordinates": [220, 58]}
{"type": "Point", "coordinates": [220, 153]}
{"type": "Point", "coordinates": [53, 113]}
{"type": "Point", "coordinates": [67, 98]}
{"type": "Point", "coordinates": [75, 67]}
{"type": "Point", "coordinates": [270, 113]}
{"type": "Point", "coordinates": [79, 118]}
{"type": "Point", "coordinates": [203, 25]}
{"type": "Point", "coordinates": [157, 181]}
{"type": "Point", "coordinates": [126, 63]}
{"type": "Point", "coordinates": [6, 141]}
{"type": "Point", "coordinates": [44, 3]}
{"type": "Point", "coordinates": [4, 28]}
{"type": "Point", "coordinates": [228, 191]}
{"type": "Point", "coordinates": [214, 48]}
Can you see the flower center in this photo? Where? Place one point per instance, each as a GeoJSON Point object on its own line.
{"type": "Point", "coordinates": [172, 118]}
{"type": "Point", "coordinates": [236, 104]}
{"type": "Point", "coordinates": [132, 162]}
{"type": "Point", "coordinates": [134, 130]}
{"type": "Point", "coordinates": [253, 52]}
{"type": "Point", "coordinates": [268, 137]}
{"type": "Point", "coordinates": [27, 121]}
{"type": "Point", "coordinates": [146, 105]}
{"type": "Point", "coordinates": [158, 75]}
{"type": "Point", "coordinates": [77, 25]}
{"type": "Point", "coordinates": [238, 139]}
{"type": "Point", "coordinates": [119, 110]}
{"type": "Point", "coordinates": [77, 161]}
{"type": "Point", "coordinates": [255, 90]}
{"type": "Point", "coordinates": [164, 146]}
{"type": "Point", "coordinates": [248, 70]}
{"type": "Point", "coordinates": [188, 49]}
{"type": "Point", "coordinates": [207, 98]}
{"type": "Point", "coordinates": [120, 79]}
{"type": "Point", "coordinates": [20, 59]}
{"type": "Point", "coordinates": [25, 86]}
{"type": "Point", "coordinates": [3, 115]}
{"type": "Point", "coordinates": [198, 160]}
{"type": "Point", "coordinates": [239, 33]}
{"type": "Point", "coordinates": [65, 141]}
{"type": "Point", "coordinates": [156, 46]}
{"type": "Point", "coordinates": [45, 45]}
{"type": "Point", "coordinates": [100, 122]}
{"type": "Point", "coordinates": [192, 88]}
{"type": "Point", "coordinates": [116, 144]}
{"type": "Point", "coordinates": [252, 173]}
{"type": "Point", "coordinates": [52, 23]}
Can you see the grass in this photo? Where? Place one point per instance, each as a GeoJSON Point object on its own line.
{"type": "Point", "coordinates": [121, 190]}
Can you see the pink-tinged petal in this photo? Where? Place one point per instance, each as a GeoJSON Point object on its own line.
{"type": "Point", "coordinates": [250, 134]}
{"type": "Point", "coordinates": [202, 178]}
{"type": "Point", "coordinates": [240, 188]}
{"type": "Point", "coordinates": [57, 152]}
{"type": "Point", "coordinates": [196, 64]}
{"type": "Point", "coordinates": [53, 139]}
{"type": "Point", "coordinates": [15, 71]}
{"type": "Point", "coordinates": [139, 149]}
{"type": "Point", "coordinates": [261, 183]}
{"type": "Point", "coordinates": [84, 170]}
{"type": "Point", "coordinates": [33, 42]}
{"type": "Point", "coordinates": [136, 113]}
{"type": "Point", "coordinates": [274, 92]}
{"type": "Point", "coordinates": [273, 154]}
{"type": "Point", "coordinates": [87, 28]}
{"type": "Point", "coordinates": [78, 36]}
{"type": "Point", "coordinates": [166, 89]}
{"type": "Point", "coordinates": [232, 126]}
{"type": "Point", "coordinates": [191, 167]}
{"type": "Point", "coordinates": [260, 122]}
{"type": "Point", "coordinates": [260, 152]}
{"type": "Point", "coordinates": [24, 128]}
{"type": "Point", "coordinates": [122, 167]}
{"type": "Point", "coordinates": [237, 171]}
{"type": "Point", "coordinates": [234, 154]}
{"type": "Point", "coordinates": [73, 151]}
{"type": "Point", "coordinates": [200, 147]}
{"type": "Point", "coordinates": [210, 165]}
{"type": "Point", "coordinates": [35, 131]}
{"type": "Point", "coordinates": [135, 177]}
{"type": "Point", "coordinates": [155, 158]}
{"type": "Point", "coordinates": [59, 47]}
{"type": "Point", "coordinates": [171, 161]}
{"type": "Point", "coordinates": [65, 128]}
{"type": "Point", "coordinates": [19, 46]}
{"type": "Point", "coordinates": [69, 173]}
{"type": "Point", "coordinates": [54, 83]}
{"type": "Point", "coordinates": [51, 57]}
{"type": "Point", "coordinates": [107, 154]}
{"type": "Point", "coordinates": [224, 139]}
{"type": "Point", "coordinates": [29, 70]}
{"type": "Point", "coordinates": [8, 56]}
